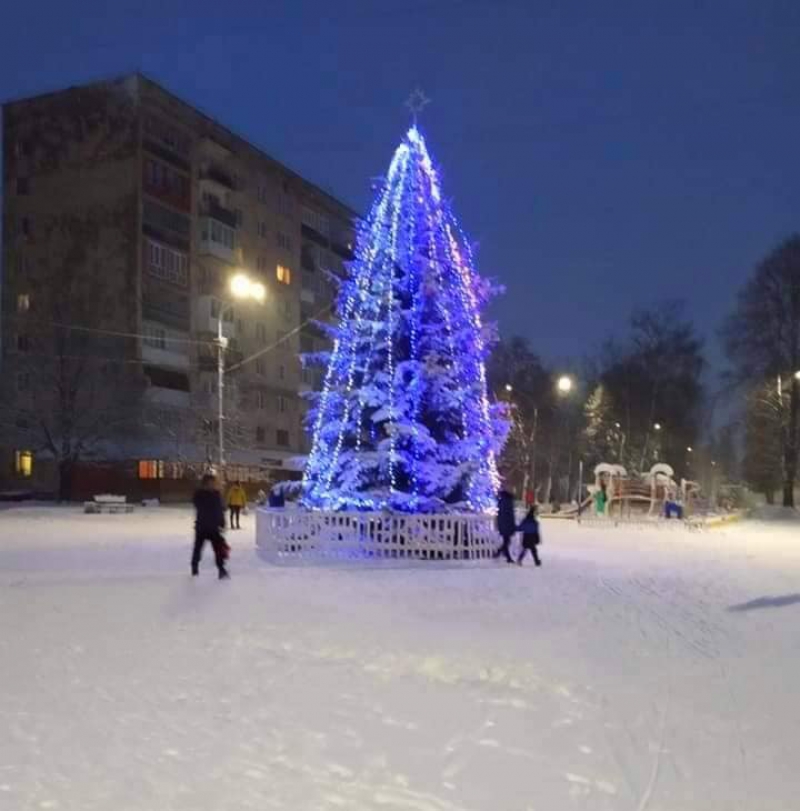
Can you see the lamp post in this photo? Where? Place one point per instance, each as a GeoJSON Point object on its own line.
{"type": "Point", "coordinates": [564, 386]}
{"type": "Point", "coordinates": [622, 437]}
{"type": "Point", "coordinates": [241, 287]}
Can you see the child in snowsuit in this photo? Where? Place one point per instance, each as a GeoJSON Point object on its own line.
{"type": "Point", "coordinates": [209, 520]}
{"type": "Point", "coordinates": [530, 537]}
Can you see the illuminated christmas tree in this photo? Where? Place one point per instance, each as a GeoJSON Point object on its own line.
{"type": "Point", "coordinates": [403, 421]}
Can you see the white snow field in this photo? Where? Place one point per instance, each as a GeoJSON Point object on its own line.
{"type": "Point", "coordinates": [644, 670]}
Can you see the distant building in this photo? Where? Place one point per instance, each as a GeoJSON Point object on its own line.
{"type": "Point", "coordinates": [126, 213]}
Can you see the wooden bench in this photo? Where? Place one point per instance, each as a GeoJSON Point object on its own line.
{"type": "Point", "coordinates": [107, 504]}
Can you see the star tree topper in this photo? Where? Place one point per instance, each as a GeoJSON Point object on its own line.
{"type": "Point", "coordinates": [416, 103]}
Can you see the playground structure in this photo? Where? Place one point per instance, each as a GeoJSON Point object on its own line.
{"type": "Point", "coordinates": [654, 494]}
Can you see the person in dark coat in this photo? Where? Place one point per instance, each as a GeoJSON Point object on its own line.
{"type": "Point", "coordinates": [506, 523]}
{"type": "Point", "coordinates": [530, 536]}
{"type": "Point", "coordinates": [209, 521]}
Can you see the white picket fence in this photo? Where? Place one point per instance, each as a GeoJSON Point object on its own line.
{"type": "Point", "coordinates": [284, 535]}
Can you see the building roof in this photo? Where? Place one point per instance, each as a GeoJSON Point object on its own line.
{"type": "Point", "coordinates": [142, 77]}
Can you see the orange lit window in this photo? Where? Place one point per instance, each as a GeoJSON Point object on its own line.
{"type": "Point", "coordinates": [23, 464]}
{"type": "Point", "coordinates": [284, 274]}
{"type": "Point", "coordinates": [151, 469]}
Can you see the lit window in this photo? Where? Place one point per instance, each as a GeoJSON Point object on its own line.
{"type": "Point", "coordinates": [23, 464]}
{"type": "Point", "coordinates": [151, 469]}
{"type": "Point", "coordinates": [284, 274]}
{"type": "Point", "coordinates": [23, 303]}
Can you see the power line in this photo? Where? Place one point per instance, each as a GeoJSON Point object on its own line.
{"type": "Point", "coordinates": [281, 340]}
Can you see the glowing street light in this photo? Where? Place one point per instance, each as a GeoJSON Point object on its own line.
{"type": "Point", "coordinates": [509, 388]}
{"type": "Point", "coordinates": [689, 449]}
{"type": "Point", "coordinates": [797, 375]}
{"type": "Point", "coordinates": [242, 287]}
{"type": "Point", "coordinates": [564, 384]}
{"type": "Point", "coordinates": [657, 426]}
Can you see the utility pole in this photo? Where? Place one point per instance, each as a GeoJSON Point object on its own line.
{"type": "Point", "coordinates": [222, 343]}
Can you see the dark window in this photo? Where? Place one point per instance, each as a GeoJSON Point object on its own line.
{"type": "Point", "coordinates": [25, 226]}
{"type": "Point", "coordinates": [23, 344]}
{"type": "Point", "coordinates": [23, 186]}
{"type": "Point", "coordinates": [167, 379]}
{"type": "Point", "coordinates": [260, 434]}
{"type": "Point", "coordinates": [282, 437]}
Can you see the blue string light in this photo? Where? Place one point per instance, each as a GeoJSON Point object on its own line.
{"type": "Point", "coordinates": [403, 420]}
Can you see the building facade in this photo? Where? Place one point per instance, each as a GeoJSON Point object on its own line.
{"type": "Point", "coordinates": [126, 213]}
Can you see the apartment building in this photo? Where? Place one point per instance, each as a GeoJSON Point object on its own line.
{"type": "Point", "coordinates": [126, 213]}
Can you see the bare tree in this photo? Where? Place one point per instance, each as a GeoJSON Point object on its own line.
{"type": "Point", "coordinates": [653, 378]}
{"type": "Point", "coordinates": [762, 338]}
{"type": "Point", "coordinates": [76, 379]}
{"type": "Point", "coordinates": [764, 419]}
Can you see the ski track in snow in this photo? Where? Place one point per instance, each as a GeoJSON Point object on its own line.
{"type": "Point", "coordinates": [615, 677]}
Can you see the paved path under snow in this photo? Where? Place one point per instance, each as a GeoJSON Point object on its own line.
{"type": "Point", "coordinates": [637, 670]}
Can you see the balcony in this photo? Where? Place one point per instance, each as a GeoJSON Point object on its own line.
{"type": "Point", "coordinates": [217, 176]}
{"type": "Point", "coordinates": [164, 357]}
{"type": "Point", "coordinates": [206, 311]}
{"type": "Point", "coordinates": [212, 208]}
{"type": "Point", "coordinates": [217, 239]}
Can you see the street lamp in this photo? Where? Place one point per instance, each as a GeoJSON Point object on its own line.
{"type": "Point", "coordinates": [509, 388]}
{"type": "Point", "coordinates": [797, 375]}
{"type": "Point", "coordinates": [657, 426]}
{"type": "Point", "coordinates": [564, 384]}
{"type": "Point", "coordinates": [240, 287]}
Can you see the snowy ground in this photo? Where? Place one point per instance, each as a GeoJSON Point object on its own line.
{"type": "Point", "coordinates": [637, 670]}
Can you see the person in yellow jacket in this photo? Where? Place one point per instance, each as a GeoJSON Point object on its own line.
{"type": "Point", "coordinates": [237, 498]}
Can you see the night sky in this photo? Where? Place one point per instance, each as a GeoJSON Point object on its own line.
{"type": "Point", "coordinates": [603, 155]}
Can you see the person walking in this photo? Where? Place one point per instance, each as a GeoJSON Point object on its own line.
{"type": "Point", "coordinates": [237, 499]}
{"type": "Point", "coordinates": [208, 525]}
{"type": "Point", "coordinates": [506, 523]}
{"type": "Point", "coordinates": [530, 536]}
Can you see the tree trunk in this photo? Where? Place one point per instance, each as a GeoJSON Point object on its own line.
{"type": "Point", "coordinates": [65, 470]}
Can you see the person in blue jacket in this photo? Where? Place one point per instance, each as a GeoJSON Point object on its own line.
{"type": "Point", "coordinates": [506, 523]}
{"type": "Point", "coordinates": [530, 536]}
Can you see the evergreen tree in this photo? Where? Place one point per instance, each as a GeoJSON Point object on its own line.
{"type": "Point", "coordinates": [601, 433]}
{"type": "Point", "coordinates": [403, 420]}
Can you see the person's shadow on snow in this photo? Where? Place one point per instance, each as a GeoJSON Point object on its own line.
{"type": "Point", "coordinates": [767, 602]}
